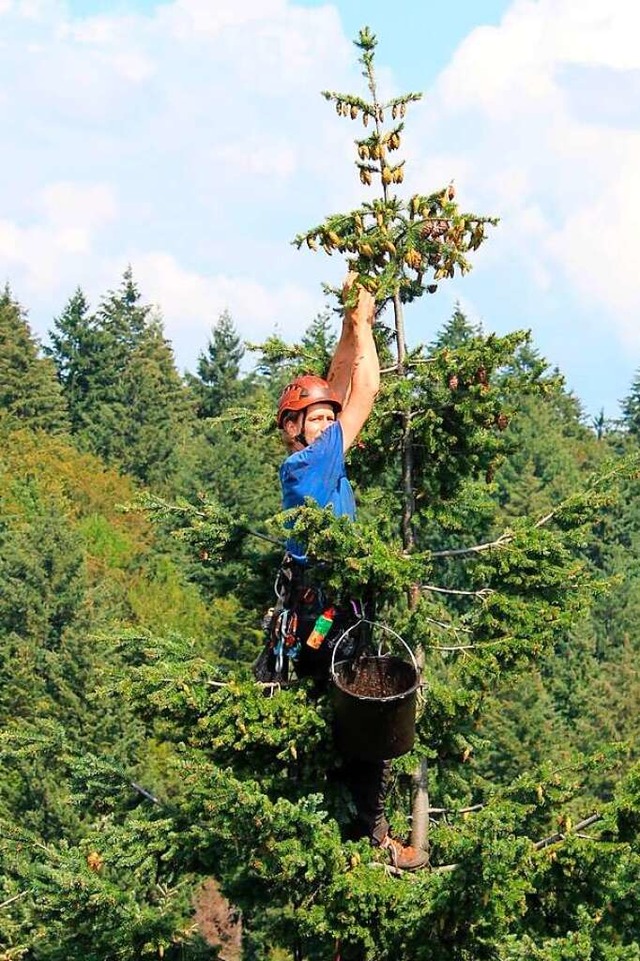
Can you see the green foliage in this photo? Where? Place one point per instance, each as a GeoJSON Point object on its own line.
{"type": "Point", "coordinates": [209, 527]}
{"type": "Point", "coordinates": [458, 407]}
{"type": "Point", "coordinates": [300, 886]}
{"type": "Point", "coordinates": [126, 400]}
{"type": "Point", "coordinates": [216, 385]}
{"type": "Point", "coordinates": [631, 409]}
{"type": "Point", "coordinates": [29, 392]}
{"type": "Point", "coordinates": [72, 565]}
{"type": "Point", "coordinates": [241, 785]}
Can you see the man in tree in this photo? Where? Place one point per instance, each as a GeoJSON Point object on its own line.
{"type": "Point", "coordinates": [320, 420]}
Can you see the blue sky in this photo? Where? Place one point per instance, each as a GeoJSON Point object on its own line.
{"type": "Point", "coordinates": [189, 139]}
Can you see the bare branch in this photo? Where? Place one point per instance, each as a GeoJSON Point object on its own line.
{"type": "Point", "coordinates": [482, 593]}
{"type": "Point", "coordinates": [16, 897]}
{"type": "Point", "coordinates": [546, 518]}
{"type": "Point", "coordinates": [562, 835]}
{"type": "Point", "coordinates": [145, 793]}
{"type": "Point", "coordinates": [453, 647]}
{"type": "Point", "coordinates": [545, 842]}
{"type": "Point", "coordinates": [409, 363]}
{"type": "Point", "coordinates": [505, 538]}
{"type": "Point", "coordinates": [470, 647]}
{"type": "Point", "coordinates": [393, 871]}
{"type": "Point", "coordinates": [469, 810]}
{"type": "Point", "coordinates": [508, 536]}
{"type": "Point", "coordinates": [272, 685]}
{"type": "Point", "coordinates": [448, 626]}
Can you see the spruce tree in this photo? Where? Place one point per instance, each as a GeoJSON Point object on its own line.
{"type": "Point", "coordinates": [73, 350]}
{"type": "Point", "coordinates": [119, 326]}
{"type": "Point", "coordinates": [216, 384]}
{"type": "Point", "coordinates": [29, 391]}
{"type": "Point", "coordinates": [552, 446]}
{"type": "Point", "coordinates": [318, 344]}
{"type": "Point", "coordinates": [153, 436]}
{"type": "Point", "coordinates": [631, 409]}
{"type": "Point", "coordinates": [127, 401]}
{"type": "Point", "coordinates": [456, 332]}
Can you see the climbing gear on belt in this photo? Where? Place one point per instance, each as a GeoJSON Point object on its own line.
{"type": "Point", "coordinates": [321, 628]}
{"type": "Point", "coordinates": [303, 625]}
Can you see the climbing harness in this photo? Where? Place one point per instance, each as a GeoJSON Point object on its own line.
{"type": "Point", "coordinates": [301, 629]}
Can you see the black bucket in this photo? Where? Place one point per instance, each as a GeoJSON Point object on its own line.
{"type": "Point", "coordinates": [374, 701]}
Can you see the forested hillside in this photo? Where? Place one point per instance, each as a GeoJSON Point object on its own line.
{"type": "Point", "coordinates": [498, 532]}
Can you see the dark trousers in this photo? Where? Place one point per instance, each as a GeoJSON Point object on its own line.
{"type": "Point", "coordinates": [368, 783]}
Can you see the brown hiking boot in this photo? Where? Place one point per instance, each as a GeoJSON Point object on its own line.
{"type": "Point", "coordinates": [404, 857]}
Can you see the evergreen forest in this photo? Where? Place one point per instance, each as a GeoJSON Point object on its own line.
{"type": "Point", "coordinates": [158, 802]}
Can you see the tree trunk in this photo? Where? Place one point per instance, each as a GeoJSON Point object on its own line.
{"type": "Point", "coordinates": [408, 501]}
{"type": "Point", "coordinates": [420, 807]}
{"type": "Point", "coordinates": [420, 786]}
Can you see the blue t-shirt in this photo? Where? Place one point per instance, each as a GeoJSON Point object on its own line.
{"type": "Point", "coordinates": [318, 471]}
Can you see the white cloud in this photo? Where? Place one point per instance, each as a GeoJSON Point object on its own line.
{"type": "Point", "coordinates": [36, 9]}
{"type": "Point", "coordinates": [201, 17]}
{"type": "Point", "coordinates": [277, 158]}
{"type": "Point", "coordinates": [114, 43]}
{"type": "Point", "coordinates": [78, 205]}
{"type": "Point", "coordinates": [191, 303]}
{"type": "Point", "coordinates": [597, 246]}
{"type": "Point", "coordinates": [562, 179]}
{"type": "Point", "coordinates": [46, 252]}
{"type": "Point", "coordinates": [38, 252]}
{"type": "Point", "coordinates": [132, 65]}
{"type": "Point", "coordinates": [96, 31]}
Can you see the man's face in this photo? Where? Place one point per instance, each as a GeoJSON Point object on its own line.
{"type": "Point", "coordinates": [319, 417]}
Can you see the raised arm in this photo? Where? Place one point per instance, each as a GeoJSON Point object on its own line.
{"type": "Point", "coordinates": [355, 371]}
{"type": "Point", "coordinates": [339, 376]}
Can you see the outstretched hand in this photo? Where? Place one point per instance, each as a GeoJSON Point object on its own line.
{"type": "Point", "coordinates": [365, 308]}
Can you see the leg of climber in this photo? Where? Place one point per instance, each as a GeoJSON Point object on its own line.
{"type": "Point", "coordinates": [369, 782]}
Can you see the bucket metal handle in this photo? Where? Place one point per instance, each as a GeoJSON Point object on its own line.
{"type": "Point", "coordinates": [384, 627]}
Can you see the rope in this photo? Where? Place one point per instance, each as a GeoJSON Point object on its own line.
{"type": "Point", "coordinates": [264, 537]}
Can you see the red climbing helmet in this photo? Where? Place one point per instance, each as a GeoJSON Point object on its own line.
{"type": "Point", "coordinates": [302, 393]}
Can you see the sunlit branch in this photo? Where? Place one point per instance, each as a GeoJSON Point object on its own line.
{"type": "Point", "coordinates": [482, 593]}
{"type": "Point", "coordinates": [468, 810]}
{"type": "Point", "coordinates": [508, 536]}
{"type": "Point", "coordinates": [16, 897]}
{"type": "Point", "coordinates": [146, 794]}
{"type": "Point", "coordinates": [470, 647]}
{"type": "Point", "coordinates": [505, 538]}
